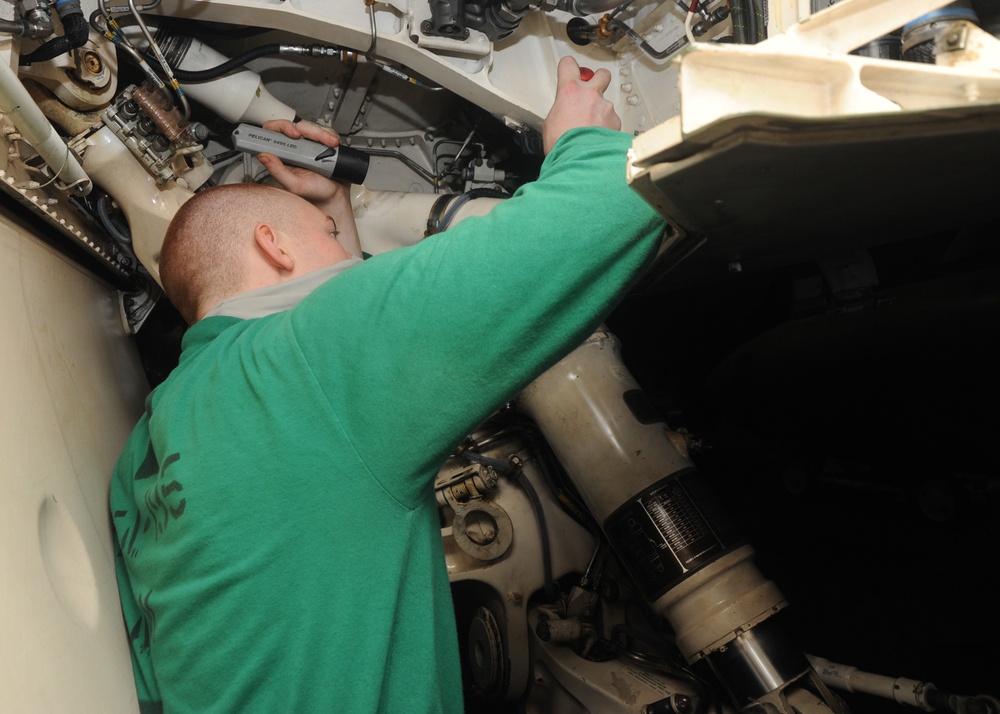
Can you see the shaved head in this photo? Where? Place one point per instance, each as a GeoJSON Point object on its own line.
{"type": "Point", "coordinates": [205, 250]}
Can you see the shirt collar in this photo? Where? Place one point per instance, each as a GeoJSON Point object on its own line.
{"type": "Point", "coordinates": [277, 298]}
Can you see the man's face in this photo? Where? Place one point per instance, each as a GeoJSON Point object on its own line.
{"type": "Point", "coordinates": [317, 233]}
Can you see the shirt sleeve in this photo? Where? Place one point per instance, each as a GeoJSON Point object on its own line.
{"type": "Point", "coordinates": [417, 346]}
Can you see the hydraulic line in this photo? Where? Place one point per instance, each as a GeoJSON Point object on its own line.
{"type": "Point", "coordinates": [462, 147]}
{"type": "Point", "coordinates": [406, 160]}
{"type": "Point", "coordinates": [74, 35]}
{"type": "Point", "coordinates": [171, 80]}
{"type": "Point", "coordinates": [36, 23]}
{"type": "Point", "coordinates": [122, 11]}
{"type": "Point", "coordinates": [370, 54]}
{"type": "Point", "coordinates": [749, 26]}
{"type": "Point", "coordinates": [591, 7]}
{"type": "Point", "coordinates": [111, 30]}
{"type": "Point", "coordinates": [645, 46]}
{"type": "Point", "coordinates": [113, 227]}
{"type": "Point", "coordinates": [741, 22]}
{"type": "Point", "coordinates": [543, 531]}
{"type": "Point", "coordinates": [621, 8]}
{"type": "Point", "coordinates": [456, 206]}
{"type": "Point", "coordinates": [250, 55]}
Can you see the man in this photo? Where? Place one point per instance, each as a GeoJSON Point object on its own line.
{"type": "Point", "coordinates": [280, 543]}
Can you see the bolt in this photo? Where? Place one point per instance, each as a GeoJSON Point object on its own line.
{"type": "Point", "coordinates": [542, 630]}
{"type": "Point", "coordinates": [631, 100]}
{"type": "Point", "coordinates": [92, 61]}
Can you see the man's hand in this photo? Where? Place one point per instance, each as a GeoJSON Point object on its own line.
{"type": "Point", "coordinates": [331, 197]}
{"type": "Point", "coordinates": [578, 103]}
{"type": "Point", "coordinates": [303, 182]}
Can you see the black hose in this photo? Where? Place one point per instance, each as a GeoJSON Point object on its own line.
{"type": "Point", "coordinates": [454, 208]}
{"type": "Point", "coordinates": [117, 231]}
{"type": "Point", "coordinates": [543, 532]}
{"type": "Point", "coordinates": [205, 75]}
{"type": "Point", "coordinates": [75, 34]}
{"type": "Point", "coordinates": [760, 14]}
{"type": "Point", "coordinates": [749, 21]}
{"type": "Point", "coordinates": [741, 22]}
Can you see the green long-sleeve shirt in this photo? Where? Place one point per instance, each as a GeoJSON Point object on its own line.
{"type": "Point", "coordinates": [274, 509]}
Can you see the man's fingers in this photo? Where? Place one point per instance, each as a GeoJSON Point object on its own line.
{"type": "Point", "coordinates": [303, 130]}
{"type": "Point", "coordinates": [281, 173]}
{"type": "Point", "coordinates": [286, 127]}
{"type": "Point", "coordinates": [567, 71]}
{"type": "Point", "coordinates": [601, 80]}
{"type": "Point", "coordinates": [315, 132]}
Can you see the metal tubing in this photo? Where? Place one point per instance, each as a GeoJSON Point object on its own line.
{"type": "Point", "coordinates": [591, 7]}
{"type": "Point", "coordinates": [12, 26]}
{"type": "Point", "coordinates": [17, 104]}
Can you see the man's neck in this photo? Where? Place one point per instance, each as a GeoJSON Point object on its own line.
{"type": "Point", "coordinates": [270, 299]}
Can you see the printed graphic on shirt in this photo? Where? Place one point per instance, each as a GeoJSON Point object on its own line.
{"type": "Point", "coordinates": [141, 632]}
{"type": "Point", "coordinates": [161, 503]}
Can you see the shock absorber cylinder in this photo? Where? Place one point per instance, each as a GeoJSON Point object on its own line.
{"type": "Point", "coordinates": [670, 532]}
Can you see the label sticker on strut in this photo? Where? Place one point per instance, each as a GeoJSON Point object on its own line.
{"type": "Point", "coordinates": [671, 529]}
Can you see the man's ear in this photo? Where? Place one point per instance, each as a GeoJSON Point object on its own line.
{"type": "Point", "coordinates": [272, 247]}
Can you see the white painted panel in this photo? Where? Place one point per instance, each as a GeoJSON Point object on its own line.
{"type": "Point", "coordinates": [72, 388]}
